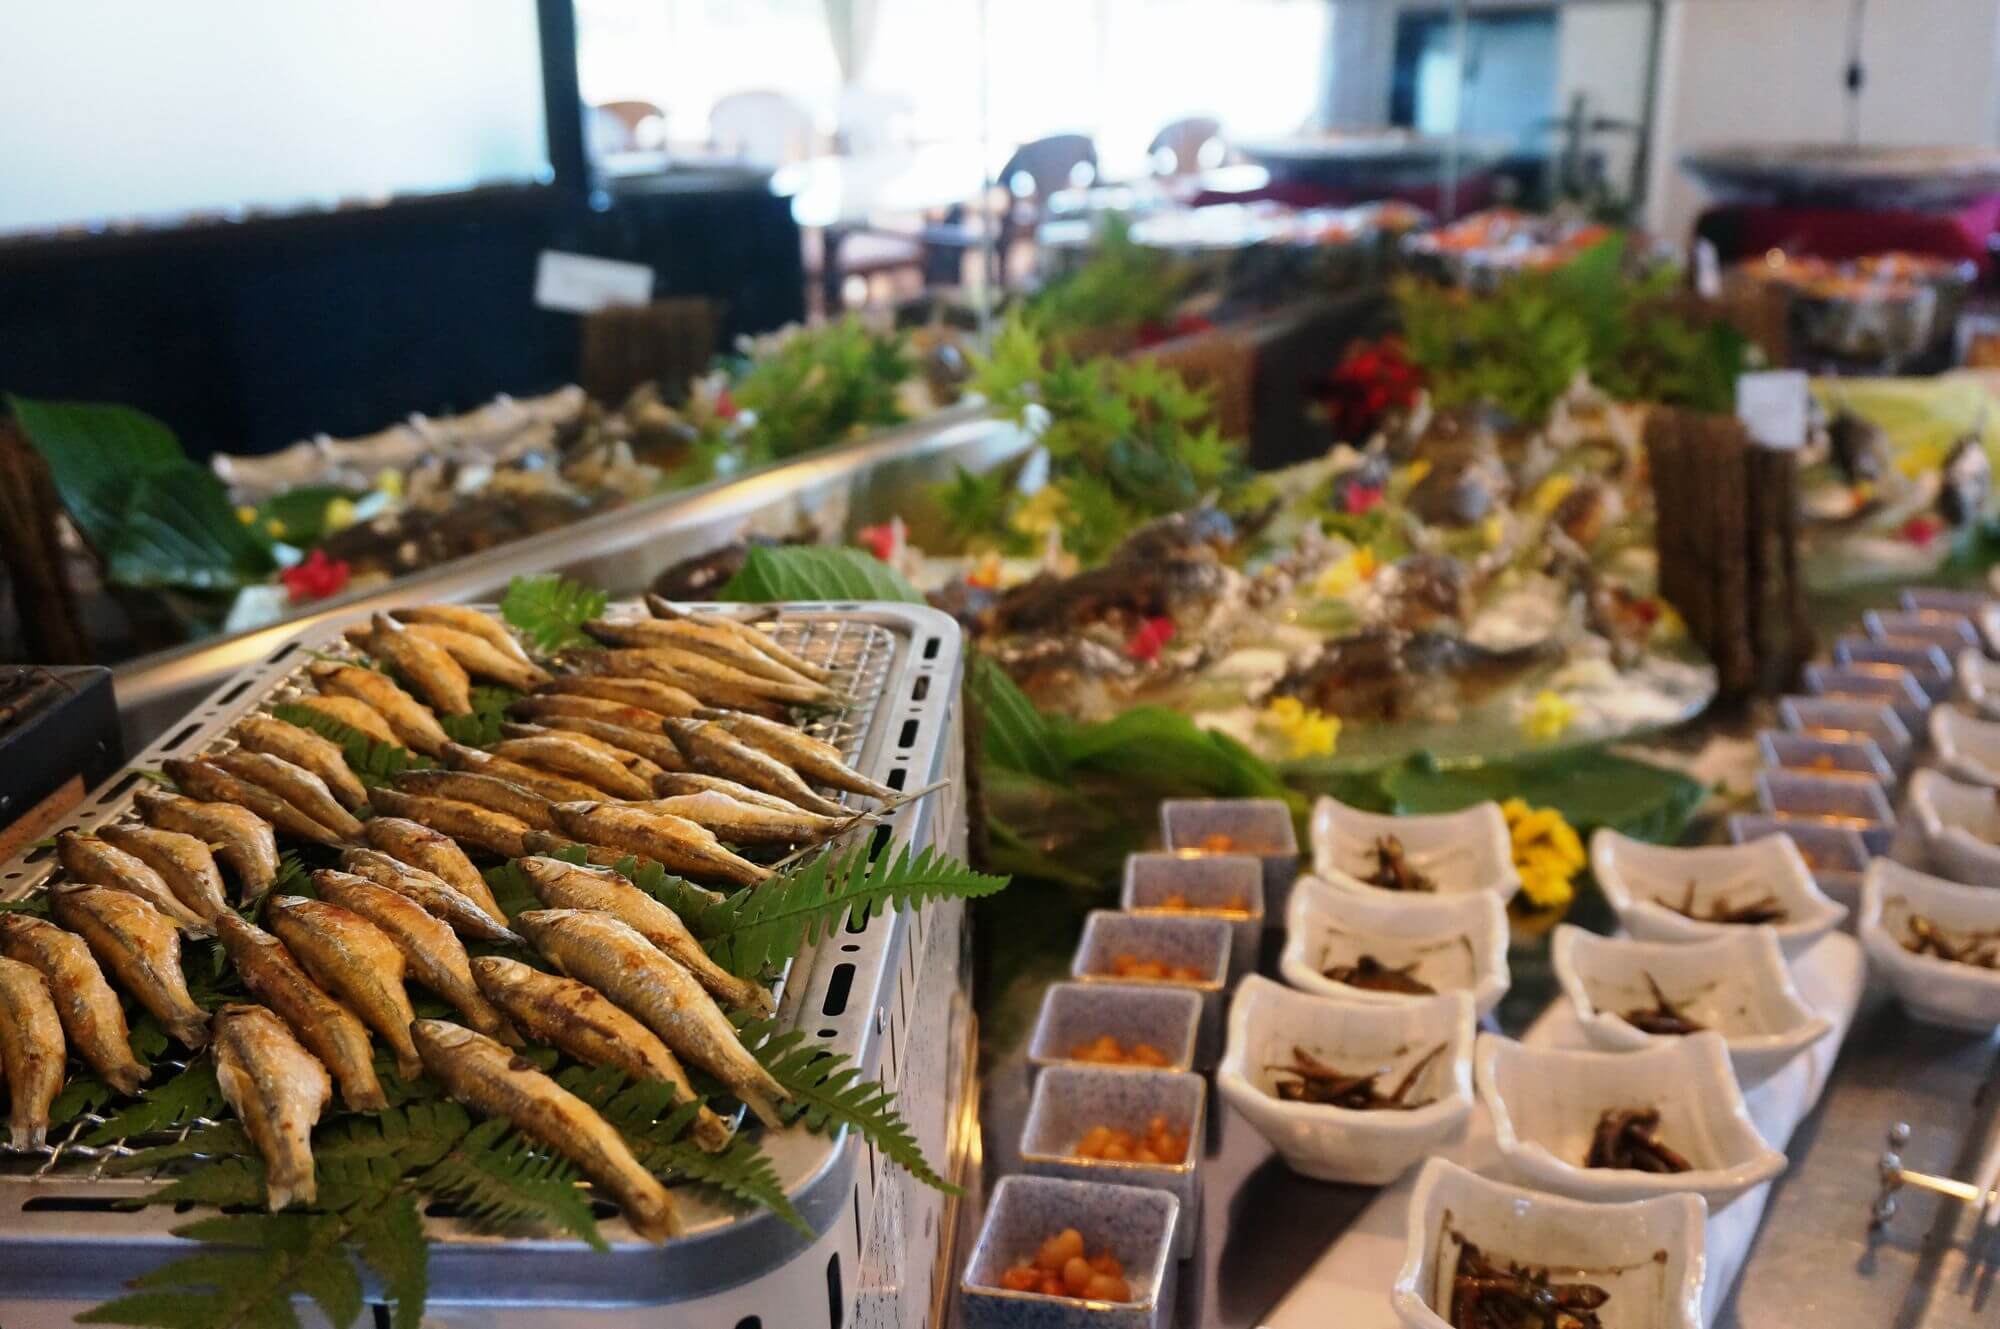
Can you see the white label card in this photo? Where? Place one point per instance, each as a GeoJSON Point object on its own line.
{"type": "Point", "coordinates": [1773, 406]}
{"type": "Point", "coordinates": [581, 284]}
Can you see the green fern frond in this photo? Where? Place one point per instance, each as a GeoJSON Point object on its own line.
{"type": "Point", "coordinates": [372, 761]}
{"type": "Point", "coordinates": [499, 1183]}
{"type": "Point", "coordinates": [248, 1288]}
{"type": "Point", "coordinates": [550, 610]}
{"type": "Point", "coordinates": [391, 1241]}
{"type": "Point", "coordinates": [489, 712]}
{"type": "Point", "coordinates": [218, 1140]}
{"type": "Point", "coordinates": [191, 1094]}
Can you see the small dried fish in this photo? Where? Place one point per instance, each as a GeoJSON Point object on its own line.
{"type": "Point", "coordinates": [1662, 1017]}
{"type": "Point", "coordinates": [718, 644]}
{"type": "Point", "coordinates": [328, 1029]}
{"type": "Point", "coordinates": [243, 840]}
{"type": "Point", "coordinates": [484, 626]}
{"type": "Point", "coordinates": [31, 1051]}
{"type": "Point", "coordinates": [555, 788]}
{"type": "Point", "coordinates": [1629, 1138]}
{"type": "Point", "coordinates": [467, 823]}
{"type": "Point", "coordinates": [432, 952]}
{"type": "Point", "coordinates": [656, 752]}
{"type": "Point", "coordinates": [1764, 909]}
{"type": "Point", "coordinates": [202, 778]}
{"type": "Point", "coordinates": [747, 823]}
{"type": "Point", "coordinates": [1393, 870]}
{"type": "Point", "coordinates": [541, 707]}
{"type": "Point", "coordinates": [86, 858]}
{"type": "Point", "coordinates": [486, 791]}
{"type": "Point", "coordinates": [676, 783]}
{"type": "Point", "coordinates": [712, 748]}
{"type": "Point", "coordinates": [481, 658]}
{"type": "Point", "coordinates": [1314, 1081]}
{"type": "Point", "coordinates": [293, 783]}
{"type": "Point", "coordinates": [673, 842]}
{"type": "Point", "coordinates": [182, 861]}
{"type": "Point", "coordinates": [1372, 975]}
{"type": "Point", "coordinates": [649, 665]}
{"type": "Point", "coordinates": [356, 962]}
{"type": "Point", "coordinates": [91, 1015]}
{"type": "Point", "coordinates": [418, 845]}
{"type": "Point", "coordinates": [429, 667]}
{"type": "Point", "coordinates": [356, 714]}
{"type": "Point", "coordinates": [548, 844]}
{"type": "Point", "coordinates": [486, 1077]}
{"type": "Point", "coordinates": [1486, 1296]}
{"type": "Point", "coordinates": [438, 897]}
{"type": "Point", "coordinates": [415, 726]}
{"type": "Point", "coordinates": [761, 642]}
{"type": "Point", "coordinates": [1980, 949]}
{"type": "Point", "coordinates": [302, 747]}
{"type": "Point", "coordinates": [579, 757]}
{"type": "Point", "coordinates": [277, 1090]}
{"type": "Point", "coordinates": [809, 756]}
{"type": "Point", "coordinates": [661, 699]}
{"type": "Point", "coordinates": [140, 948]}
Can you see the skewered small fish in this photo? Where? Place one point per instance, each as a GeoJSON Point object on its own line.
{"type": "Point", "coordinates": [481, 625]}
{"type": "Point", "coordinates": [138, 946]}
{"type": "Point", "coordinates": [293, 783]}
{"type": "Point", "coordinates": [486, 1077]}
{"type": "Point", "coordinates": [761, 642]}
{"type": "Point", "coordinates": [429, 667]}
{"type": "Point", "coordinates": [580, 757]}
{"type": "Point", "coordinates": [643, 693]}
{"type": "Point", "coordinates": [418, 845]}
{"type": "Point", "coordinates": [91, 1015]}
{"type": "Point", "coordinates": [481, 658]}
{"type": "Point", "coordinates": [303, 748]}
{"type": "Point", "coordinates": [357, 963]}
{"type": "Point", "coordinates": [711, 673]}
{"type": "Point", "coordinates": [712, 748]}
{"type": "Point", "coordinates": [673, 842]}
{"type": "Point", "coordinates": [616, 960]}
{"type": "Point", "coordinates": [182, 861]}
{"type": "Point", "coordinates": [541, 707]}
{"type": "Point", "coordinates": [356, 714]}
{"type": "Point", "coordinates": [243, 840]}
{"type": "Point", "coordinates": [432, 952]}
{"type": "Point", "coordinates": [747, 823]}
{"type": "Point", "coordinates": [649, 665]}
{"type": "Point", "coordinates": [548, 844]}
{"type": "Point", "coordinates": [277, 1090]}
{"type": "Point", "coordinates": [655, 749]}
{"type": "Point", "coordinates": [467, 823]}
{"type": "Point", "coordinates": [31, 1051]}
{"type": "Point", "coordinates": [414, 725]}
{"type": "Point", "coordinates": [811, 757]}
{"type": "Point", "coordinates": [555, 788]}
{"type": "Point", "coordinates": [718, 644]}
{"type": "Point", "coordinates": [86, 858]}
{"type": "Point", "coordinates": [676, 783]}
{"type": "Point", "coordinates": [202, 778]}
{"type": "Point", "coordinates": [577, 1018]}
{"type": "Point", "coordinates": [486, 791]}
{"type": "Point", "coordinates": [329, 1030]}
{"type": "Point", "coordinates": [561, 885]}
{"type": "Point", "coordinates": [438, 897]}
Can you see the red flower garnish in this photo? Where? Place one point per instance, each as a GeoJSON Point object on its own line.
{"type": "Point", "coordinates": [725, 405]}
{"type": "Point", "coordinates": [1373, 379]}
{"type": "Point", "coordinates": [1920, 531]}
{"type": "Point", "coordinates": [1645, 609]}
{"type": "Point", "coordinates": [1152, 637]}
{"type": "Point", "coordinates": [884, 541]}
{"type": "Point", "coordinates": [1360, 499]}
{"type": "Point", "coordinates": [315, 577]}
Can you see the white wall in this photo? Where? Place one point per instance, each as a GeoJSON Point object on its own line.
{"type": "Point", "coordinates": [1601, 53]}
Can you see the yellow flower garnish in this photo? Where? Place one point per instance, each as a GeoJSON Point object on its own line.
{"type": "Point", "coordinates": [247, 515]}
{"type": "Point", "coordinates": [339, 514]}
{"type": "Point", "coordinates": [1307, 732]}
{"type": "Point", "coordinates": [1548, 716]}
{"type": "Point", "coordinates": [1412, 475]}
{"type": "Point", "coordinates": [1550, 492]}
{"type": "Point", "coordinates": [986, 572]}
{"type": "Point", "coordinates": [275, 529]}
{"type": "Point", "coordinates": [1041, 513]}
{"type": "Point", "coordinates": [1494, 529]}
{"type": "Point", "coordinates": [1547, 854]}
{"type": "Point", "coordinates": [1669, 626]}
{"type": "Point", "coordinates": [390, 481]}
{"type": "Point", "coordinates": [1341, 578]}
{"type": "Point", "coordinates": [1920, 460]}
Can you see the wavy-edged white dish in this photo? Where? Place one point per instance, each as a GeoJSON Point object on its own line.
{"type": "Point", "coordinates": [1933, 989]}
{"type": "Point", "coordinates": [1451, 943]}
{"type": "Point", "coordinates": [1461, 851]}
{"type": "Point", "coordinates": [1960, 826]}
{"type": "Point", "coordinates": [1370, 1148]}
{"type": "Point", "coordinates": [1646, 883]}
{"type": "Point", "coordinates": [1650, 1255]}
{"type": "Point", "coordinates": [1545, 1104]}
{"type": "Point", "coordinates": [1977, 682]}
{"type": "Point", "coordinates": [1736, 984]}
{"type": "Point", "coordinates": [1966, 746]}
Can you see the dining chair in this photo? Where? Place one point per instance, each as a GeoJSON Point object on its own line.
{"type": "Point", "coordinates": [645, 123]}
{"type": "Point", "coordinates": [764, 128]}
{"type": "Point", "coordinates": [1185, 146]}
{"type": "Point", "coordinates": [1036, 170]}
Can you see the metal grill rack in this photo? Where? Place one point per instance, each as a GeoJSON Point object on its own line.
{"type": "Point", "coordinates": [854, 992]}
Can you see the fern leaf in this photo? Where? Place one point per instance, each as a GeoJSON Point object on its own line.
{"type": "Point", "coordinates": [550, 610]}
{"type": "Point", "coordinates": [500, 1183]}
{"type": "Point", "coordinates": [334, 1287]}
{"type": "Point", "coordinates": [489, 712]}
{"type": "Point", "coordinates": [373, 762]}
{"type": "Point", "coordinates": [392, 1243]}
{"type": "Point", "coordinates": [191, 1094]}
{"type": "Point", "coordinates": [743, 1172]}
{"type": "Point", "coordinates": [224, 1181]}
{"type": "Point", "coordinates": [84, 1093]}
{"type": "Point", "coordinates": [221, 1140]}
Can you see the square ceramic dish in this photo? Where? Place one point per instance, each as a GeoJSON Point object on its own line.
{"type": "Point", "coordinates": [1978, 683]}
{"type": "Point", "coordinates": [1364, 1147]}
{"type": "Point", "coordinates": [1959, 824]}
{"type": "Point", "coordinates": [1070, 1101]}
{"type": "Point", "coordinates": [1649, 886]}
{"type": "Point", "coordinates": [1449, 943]}
{"type": "Point", "coordinates": [1201, 943]}
{"type": "Point", "coordinates": [1260, 827]}
{"type": "Point", "coordinates": [1136, 1226]}
{"type": "Point", "coordinates": [1891, 685]}
{"type": "Point", "coordinates": [1073, 1014]}
{"type": "Point", "coordinates": [1935, 990]}
{"type": "Point", "coordinates": [1736, 985]}
{"type": "Point", "coordinates": [1824, 717]}
{"type": "Point", "coordinates": [1225, 886]}
{"type": "Point", "coordinates": [1648, 1255]}
{"type": "Point", "coordinates": [1981, 609]}
{"type": "Point", "coordinates": [1546, 1104]}
{"type": "Point", "coordinates": [1857, 805]}
{"type": "Point", "coordinates": [1834, 758]}
{"type": "Point", "coordinates": [1835, 855]}
{"type": "Point", "coordinates": [1928, 627]}
{"type": "Point", "coordinates": [1966, 746]}
{"type": "Point", "coordinates": [1929, 665]}
{"type": "Point", "coordinates": [1458, 851]}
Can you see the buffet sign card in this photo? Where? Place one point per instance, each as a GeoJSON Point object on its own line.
{"type": "Point", "coordinates": [1774, 406]}
{"type": "Point", "coordinates": [584, 284]}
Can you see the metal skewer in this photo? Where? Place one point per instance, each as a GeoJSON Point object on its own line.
{"type": "Point", "coordinates": [1895, 1176]}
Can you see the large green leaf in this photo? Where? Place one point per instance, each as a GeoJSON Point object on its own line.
{"type": "Point", "coordinates": [95, 453]}
{"type": "Point", "coordinates": [1591, 788]}
{"type": "Point", "coordinates": [1164, 750]}
{"type": "Point", "coordinates": [550, 610]}
{"type": "Point", "coordinates": [807, 572]}
{"type": "Point", "coordinates": [1016, 736]}
{"type": "Point", "coordinates": [180, 530]}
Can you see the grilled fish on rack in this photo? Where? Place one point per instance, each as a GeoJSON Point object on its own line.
{"type": "Point", "coordinates": [641, 693]}
{"type": "Point", "coordinates": [616, 960]}
{"type": "Point", "coordinates": [356, 714]}
{"type": "Point", "coordinates": [650, 666]}
{"type": "Point", "coordinates": [549, 844]}
{"type": "Point", "coordinates": [182, 861]}
{"type": "Point", "coordinates": [140, 947]}
{"type": "Point", "coordinates": [561, 885]}
{"type": "Point", "coordinates": [488, 1078]}
{"type": "Point", "coordinates": [654, 747]}
{"type": "Point", "coordinates": [712, 748]}
{"type": "Point", "coordinates": [581, 758]}
{"type": "Point", "coordinates": [356, 962]}
{"type": "Point", "coordinates": [304, 748]}
{"type": "Point", "coordinates": [418, 845]}
{"type": "Point", "coordinates": [472, 621]}
{"type": "Point", "coordinates": [747, 823]}
{"type": "Point", "coordinates": [429, 667]}
{"type": "Point", "coordinates": [487, 791]}
{"type": "Point", "coordinates": [717, 644]}
{"type": "Point", "coordinates": [811, 757]}
{"type": "Point", "coordinates": [329, 1030]}
{"type": "Point", "coordinates": [555, 788]}
{"type": "Point", "coordinates": [577, 1019]}
{"type": "Point", "coordinates": [481, 658]}
{"type": "Point", "coordinates": [432, 952]}
{"type": "Point", "coordinates": [243, 840]}
{"type": "Point", "coordinates": [86, 858]}
{"type": "Point", "coordinates": [467, 823]}
{"type": "Point", "coordinates": [31, 1051]}
{"type": "Point", "coordinates": [293, 783]}
{"type": "Point", "coordinates": [761, 642]}
{"type": "Point", "coordinates": [91, 1015]}
{"type": "Point", "coordinates": [673, 842]}
{"type": "Point", "coordinates": [542, 706]}
{"type": "Point", "coordinates": [203, 778]}
{"type": "Point", "coordinates": [438, 897]}
{"type": "Point", "coordinates": [711, 673]}
{"type": "Point", "coordinates": [413, 722]}
{"type": "Point", "coordinates": [277, 1090]}
{"type": "Point", "coordinates": [675, 784]}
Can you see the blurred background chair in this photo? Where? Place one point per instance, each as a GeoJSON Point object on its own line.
{"type": "Point", "coordinates": [645, 124]}
{"type": "Point", "coordinates": [1037, 170]}
{"type": "Point", "coordinates": [763, 128]}
{"type": "Point", "coordinates": [871, 121]}
{"type": "Point", "coordinates": [1193, 143]}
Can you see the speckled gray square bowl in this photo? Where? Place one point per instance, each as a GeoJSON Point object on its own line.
{"type": "Point", "coordinates": [1136, 1225]}
{"type": "Point", "coordinates": [1929, 665]}
{"type": "Point", "coordinates": [1167, 1017]}
{"type": "Point", "coordinates": [1856, 757]}
{"type": "Point", "coordinates": [1069, 1101]}
{"type": "Point", "coordinates": [1858, 805]}
{"type": "Point", "coordinates": [1203, 943]}
{"type": "Point", "coordinates": [1826, 717]}
{"type": "Point", "coordinates": [1837, 855]}
{"type": "Point", "coordinates": [1207, 882]}
{"type": "Point", "coordinates": [1260, 827]}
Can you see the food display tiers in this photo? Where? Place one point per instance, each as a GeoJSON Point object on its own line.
{"type": "Point", "coordinates": [621, 551]}
{"type": "Point", "coordinates": [893, 995]}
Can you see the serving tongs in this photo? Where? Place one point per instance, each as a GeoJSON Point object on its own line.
{"type": "Point", "coordinates": [1983, 1190]}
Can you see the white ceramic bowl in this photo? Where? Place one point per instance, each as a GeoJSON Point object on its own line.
{"type": "Point", "coordinates": [1649, 1255]}
{"type": "Point", "coordinates": [1370, 1148]}
{"type": "Point", "coordinates": [1960, 826]}
{"type": "Point", "coordinates": [1545, 1103]}
{"type": "Point", "coordinates": [1966, 746]}
{"type": "Point", "coordinates": [1453, 943]}
{"type": "Point", "coordinates": [1647, 883]}
{"type": "Point", "coordinates": [1978, 681]}
{"type": "Point", "coordinates": [1458, 851]}
{"type": "Point", "coordinates": [1736, 985]}
{"type": "Point", "coordinates": [1935, 990]}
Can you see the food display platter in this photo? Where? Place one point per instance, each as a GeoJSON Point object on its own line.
{"type": "Point", "coordinates": [1863, 177]}
{"type": "Point", "coordinates": [891, 995]}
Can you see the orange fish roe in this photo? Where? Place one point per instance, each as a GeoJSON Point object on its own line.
{"type": "Point", "coordinates": [1059, 1269]}
{"type": "Point", "coordinates": [1177, 902]}
{"type": "Point", "coordinates": [1131, 966]}
{"type": "Point", "coordinates": [1216, 843]}
{"type": "Point", "coordinates": [1105, 1051]}
{"type": "Point", "coordinates": [1111, 1144]}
